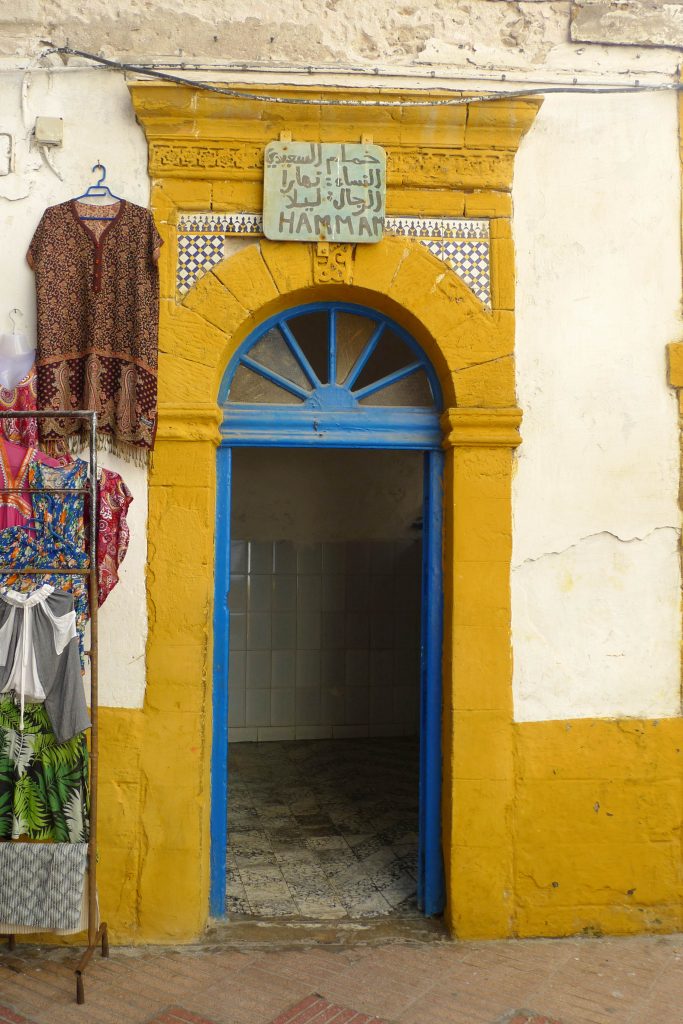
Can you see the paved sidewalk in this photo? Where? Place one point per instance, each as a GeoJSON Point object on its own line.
{"type": "Point", "coordinates": [573, 981]}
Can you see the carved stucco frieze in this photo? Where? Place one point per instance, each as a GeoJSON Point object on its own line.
{"type": "Point", "coordinates": [213, 160]}
{"type": "Point", "coordinates": [411, 168]}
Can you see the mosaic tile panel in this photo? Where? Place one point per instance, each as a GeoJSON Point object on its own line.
{"type": "Point", "coordinates": [197, 254]}
{"type": "Point", "coordinates": [461, 243]}
{"type": "Point", "coordinates": [221, 223]}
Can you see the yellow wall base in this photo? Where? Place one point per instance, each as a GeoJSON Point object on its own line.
{"type": "Point", "coordinates": [584, 837]}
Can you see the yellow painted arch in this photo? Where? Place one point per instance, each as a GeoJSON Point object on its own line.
{"type": "Point", "coordinates": [469, 346]}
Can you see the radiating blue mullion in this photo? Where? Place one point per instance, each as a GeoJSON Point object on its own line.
{"type": "Point", "coordinates": [298, 353]}
{"type": "Point", "coordinates": [387, 381]}
{"type": "Point", "coordinates": [364, 356]}
{"type": "Point", "coordinates": [275, 378]}
{"type": "Point", "coordinates": [332, 348]}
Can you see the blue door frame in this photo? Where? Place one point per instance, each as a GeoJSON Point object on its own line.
{"type": "Point", "coordinates": [320, 426]}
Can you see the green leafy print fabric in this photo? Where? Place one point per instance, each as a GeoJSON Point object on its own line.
{"type": "Point", "coordinates": [43, 783]}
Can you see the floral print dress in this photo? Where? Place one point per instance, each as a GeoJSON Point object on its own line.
{"type": "Point", "coordinates": [43, 784]}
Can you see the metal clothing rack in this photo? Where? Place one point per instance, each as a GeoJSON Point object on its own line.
{"type": "Point", "coordinates": [96, 935]}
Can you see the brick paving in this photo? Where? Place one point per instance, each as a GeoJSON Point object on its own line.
{"type": "Point", "coordinates": [567, 981]}
{"type": "Point", "coordinates": [316, 1010]}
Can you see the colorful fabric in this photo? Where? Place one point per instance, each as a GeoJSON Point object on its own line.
{"type": "Point", "coordinates": [62, 513]}
{"type": "Point", "coordinates": [113, 532]}
{"type": "Point", "coordinates": [44, 791]}
{"type": "Point", "coordinates": [15, 463]}
{"type": "Point", "coordinates": [41, 549]}
{"type": "Point", "coordinates": [39, 656]}
{"type": "Point", "coordinates": [98, 318]}
{"type": "Point", "coordinates": [15, 509]}
{"type": "Point", "coordinates": [23, 397]}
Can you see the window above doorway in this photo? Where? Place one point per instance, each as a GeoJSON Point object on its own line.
{"type": "Point", "coordinates": [332, 357]}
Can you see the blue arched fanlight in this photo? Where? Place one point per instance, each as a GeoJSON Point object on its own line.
{"type": "Point", "coordinates": [331, 374]}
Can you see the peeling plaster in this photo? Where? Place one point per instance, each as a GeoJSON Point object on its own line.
{"type": "Point", "coordinates": [597, 630]}
{"type": "Point", "coordinates": [457, 34]}
{"type": "Point", "coordinates": [581, 540]}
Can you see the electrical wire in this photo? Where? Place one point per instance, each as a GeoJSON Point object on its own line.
{"type": "Point", "coordinates": [45, 153]}
{"type": "Point", "coordinates": [450, 101]}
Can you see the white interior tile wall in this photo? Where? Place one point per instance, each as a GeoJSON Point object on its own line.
{"type": "Point", "coordinates": [324, 639]}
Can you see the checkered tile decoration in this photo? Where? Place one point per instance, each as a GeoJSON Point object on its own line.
{"type": "Point", "coordinates": [470, 261]}
{"type": "Point", "coordinates": [197, 253]}
{"type": "Point", "coordinates": [460, 243]}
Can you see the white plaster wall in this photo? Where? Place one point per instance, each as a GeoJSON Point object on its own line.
{"type": "Point", "coordinates": [596, 580]}
{"type": "Point", "coordinates": [98, 124]}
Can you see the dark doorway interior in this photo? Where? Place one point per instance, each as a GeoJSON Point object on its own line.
{"type": "Point", "coordinates": [324, 683]}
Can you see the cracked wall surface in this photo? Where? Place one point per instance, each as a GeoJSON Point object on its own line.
{"type": "Point", "coordinates": [496, 35]}
{"type": "Point", "coordinates": [595, 579]}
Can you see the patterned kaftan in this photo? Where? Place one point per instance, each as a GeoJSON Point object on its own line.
{"type": "Point", "coordinates": [98, 317]}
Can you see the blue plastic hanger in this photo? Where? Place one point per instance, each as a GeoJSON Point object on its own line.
{"type": "Point", "coordinates": [99, 189]}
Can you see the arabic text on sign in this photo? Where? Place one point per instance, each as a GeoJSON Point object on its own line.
{"type": "Point", "coordinates": [331, 192]}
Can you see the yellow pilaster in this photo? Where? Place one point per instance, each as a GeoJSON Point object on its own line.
{"type": "Point", "coordinates": [478, 737]}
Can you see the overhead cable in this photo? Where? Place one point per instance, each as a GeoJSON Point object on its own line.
{"type": "Point", "coordinates": [443, 101]}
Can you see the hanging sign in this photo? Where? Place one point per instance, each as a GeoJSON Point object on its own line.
{"type": "Point", "coordinates": [324, 192]}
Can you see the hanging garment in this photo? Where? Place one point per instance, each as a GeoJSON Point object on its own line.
{"type": "Point", "coordinates": [39, 657]}
{"type": "Point", "coordinates": [15, 468]}
{"type": "Point", "coordinates": [15, 508]}
{"type": "Point", "coordinates": [63, 514]}
{"type": "Point", "coordinates": [20, 397]}
{"type": "Point", "coordinates": [113, 532]}
{"type": "Point", "coordinates": [98, 319]}
{"type": "Point", "coordinates": [40, 549]}
{"type": "Point", "coordinates": [43, 784]}
{"type": "Point", "coordinates": [41, 884]}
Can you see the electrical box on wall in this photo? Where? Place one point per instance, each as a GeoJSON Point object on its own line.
{"type": "Point", "coordinates": [49, 131]}
{"type": "Point", "coordinates": [6, 153]}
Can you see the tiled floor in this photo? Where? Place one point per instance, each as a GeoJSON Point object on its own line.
{"type": "Point", "coordinates": [323, 829]}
